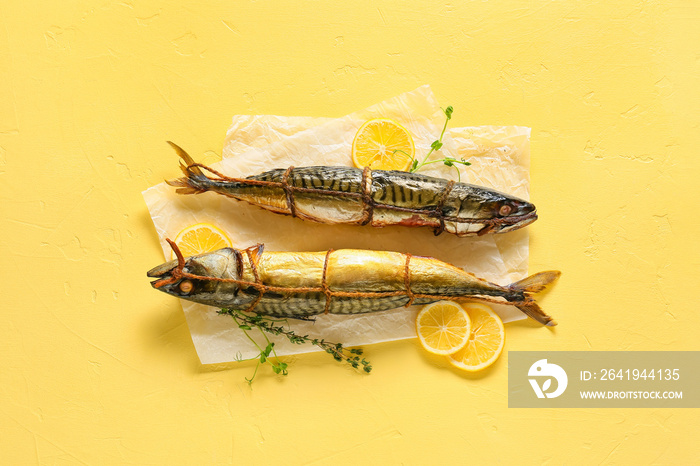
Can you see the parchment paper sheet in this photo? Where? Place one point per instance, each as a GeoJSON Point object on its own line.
{"type": "Point", "coordinates": [500, 159]}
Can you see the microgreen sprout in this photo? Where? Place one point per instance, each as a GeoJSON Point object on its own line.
{"type": "Point", "coordinates": [436, 146]}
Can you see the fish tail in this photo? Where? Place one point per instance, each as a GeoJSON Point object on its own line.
{"type": "Point", "coordinates": [195, 181]}
{"type": "Point", "coordinates": [534, 284]}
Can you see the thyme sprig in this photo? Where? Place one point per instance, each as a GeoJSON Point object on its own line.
{"type": "Point", "coordinates": [436, 146]}
{"type": "Point", "coordinates": [267, 325]}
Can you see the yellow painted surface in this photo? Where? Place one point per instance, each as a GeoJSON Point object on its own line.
{"type": "Point", "coordinates": [98, 368]}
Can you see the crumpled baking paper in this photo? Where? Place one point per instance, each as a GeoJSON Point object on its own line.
{"type": "Point", "coordinates": [500, 160]}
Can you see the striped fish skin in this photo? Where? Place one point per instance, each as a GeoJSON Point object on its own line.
{"type": "Point", "coordinates": [317, 207]}
{"type": "Point", "coordinates": [335, 195]}
{"type": "Point", "coordinates": [298, 282]}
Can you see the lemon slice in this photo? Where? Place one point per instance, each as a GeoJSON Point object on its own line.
{"type": "Point", "coordinates": [486, 339]}
{"type": "Point", "coordinates": [443, 327]}
{"type": "Point", "coordinates": [200, 238]}
{"type": "Point", "coordinates": [382, 144]}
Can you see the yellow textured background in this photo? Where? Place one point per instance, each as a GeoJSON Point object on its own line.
{"type": "Point", "coordinates": [98, 368]}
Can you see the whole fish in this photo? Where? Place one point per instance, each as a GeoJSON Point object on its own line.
{"type": "Point", "coordinates": [376, 197]}
{"type": "Point", "coordinates": [305, 284]}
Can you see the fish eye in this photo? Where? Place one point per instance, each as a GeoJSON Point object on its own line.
{"type": "Point", "coordinates": [186, 286]}
{"type": "Point", "coordinates": [505, 210]}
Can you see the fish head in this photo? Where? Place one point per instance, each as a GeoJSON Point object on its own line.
{"type": "Point", "coordinates": [200, 282]}
{"type": "Point", "coordinates": [507, 213]}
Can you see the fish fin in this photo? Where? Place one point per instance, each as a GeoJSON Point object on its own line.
{"type": "Point", "coordinates": [194, 181]}
{"type": "Point", "coordinates": [486, 229]}
{"type": "Point", "coordinates": [534, 284]}
{"type": "Point", "coordinates": [302, 318]}
{"type": "Point", "coordinates": [186, 157]}
{"type": "Point", "coordinates": [535, 312]}
{"type": "Point", "coordinates": [254, 252]}
{"type": "Point", "coordinates": [184, 186]}
{"type": "Point", "coordinates": [537, 282]}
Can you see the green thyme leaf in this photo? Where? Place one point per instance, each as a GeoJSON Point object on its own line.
{"type": "Point", "coordinates": [267, 354]}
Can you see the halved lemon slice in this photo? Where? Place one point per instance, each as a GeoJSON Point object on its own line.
{"type": "Point", "coordinates": [382, 144]}
{"type": "Point", "coordinates": [486, 339]}
{"type": "Point", "coordinates": [200, 238]}
{"type": "Point", "coordinates": [443, 327]}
